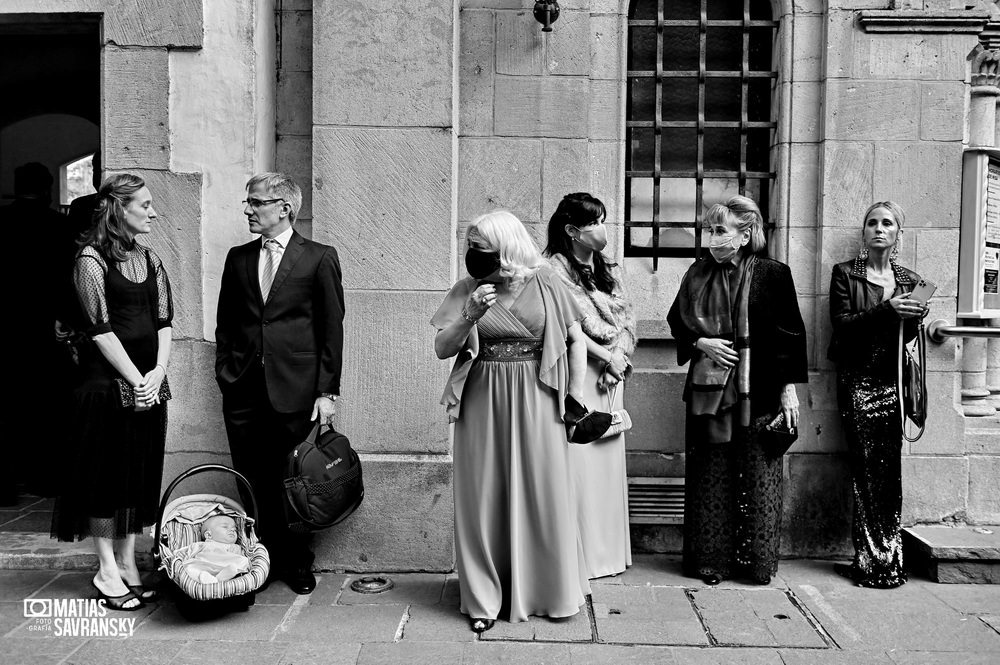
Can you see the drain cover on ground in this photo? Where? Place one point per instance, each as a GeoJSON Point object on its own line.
{"type": "Point", "coordinates": [371, 584]}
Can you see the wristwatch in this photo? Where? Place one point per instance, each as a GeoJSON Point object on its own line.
{"type": "Point", "coordinates": [329, 396]}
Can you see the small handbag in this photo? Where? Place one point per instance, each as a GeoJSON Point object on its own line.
{"type": "Point", "coordinates": [777, 437]}
{"type": "Point", "coordinates": [587, 425]}
{"type": "Point", "coordinates": [125, 393]}
{"type": "Point", "coordinates": [913, 384]}
{"type": "Point", "coordinates": [621, 421]}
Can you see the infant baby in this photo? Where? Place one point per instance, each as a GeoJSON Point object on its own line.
{"type": "Point", "coordinates": [218, 558]}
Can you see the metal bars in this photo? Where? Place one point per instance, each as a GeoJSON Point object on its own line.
{"type": "Point", "coordinates": [699, 126]}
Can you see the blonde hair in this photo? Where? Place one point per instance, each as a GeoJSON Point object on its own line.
{"type": "Point", "coordinates": [743, 213]}
{"type": "Point", "coordinates": [893, 208]}
{"type": "Point", "coordinates": [504, 233]}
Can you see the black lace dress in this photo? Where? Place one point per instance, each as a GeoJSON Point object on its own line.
{"type": "Point", "coordinates": [116, 468]}
{"type": "Point", "coordinates": [732, 492]}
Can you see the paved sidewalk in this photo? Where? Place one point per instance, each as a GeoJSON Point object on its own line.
{"type": "Point", "coordinates": [651, 614]}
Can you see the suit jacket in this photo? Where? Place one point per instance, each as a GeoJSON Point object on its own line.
{"type": "Point", "coordinates": [298, 336]}
{"type": "Point", "coordinates": [859, 315]}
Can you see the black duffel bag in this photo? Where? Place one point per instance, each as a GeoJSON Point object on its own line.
{"type": "Point", "coordinates": [323, 481]}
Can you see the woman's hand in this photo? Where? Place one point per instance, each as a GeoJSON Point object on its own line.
{"type": "Point", "coordinates": [719, 350]}
{"type": "Point", "coordinates": [790, 405]}
{"type": "Point", "coordinates": [147, 393]}
{"type": "Point", "coordinates": [607, 381]}
{"type": "Point", "coordinates": [617, 365]}
{"type": "Point", "coordinates": [480, 300]}
{"type": "Point", "coordinates": [907, 308]}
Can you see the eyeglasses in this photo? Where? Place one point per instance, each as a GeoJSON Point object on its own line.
{"type": "Point", "coordinates": [257, 204]}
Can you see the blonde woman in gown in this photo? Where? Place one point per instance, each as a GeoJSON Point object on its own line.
{"type": "Point", "coordinates": [576, 236]}
{"type": "Point", "coordinates": [513, 327]}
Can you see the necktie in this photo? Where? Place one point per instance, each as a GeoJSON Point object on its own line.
{"type": "Point", "coordinates": [271, 260]}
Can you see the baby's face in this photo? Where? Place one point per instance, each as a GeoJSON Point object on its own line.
{"type": "Point", "coordinates": [220, 529]}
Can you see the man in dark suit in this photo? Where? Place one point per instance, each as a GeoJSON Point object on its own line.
{"type": "Point", "coordinates": [279, 337]}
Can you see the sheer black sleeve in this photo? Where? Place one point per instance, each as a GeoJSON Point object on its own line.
{"type": "Point", "coordinates": [89, 278]}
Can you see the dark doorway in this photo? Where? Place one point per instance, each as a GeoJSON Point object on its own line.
{"type": "Point", "coordinates": [50, 78]}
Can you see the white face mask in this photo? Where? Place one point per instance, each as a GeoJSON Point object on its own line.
{"type": "Point", "coordinates": [724, 248]}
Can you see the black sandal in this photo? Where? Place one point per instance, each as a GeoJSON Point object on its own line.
{"type": "Point", "coordinates": [119, 602]}
{"type": "Point", "coordinates": [481, 625]}
{"type": "Point", "coordinates": [144, 594]}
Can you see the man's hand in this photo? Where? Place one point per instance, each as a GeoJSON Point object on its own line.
{"type": "Point", "coordinates": [324, 409]}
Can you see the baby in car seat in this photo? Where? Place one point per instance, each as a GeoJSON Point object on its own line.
{"type": "Point", "coordinates": [218, 557]}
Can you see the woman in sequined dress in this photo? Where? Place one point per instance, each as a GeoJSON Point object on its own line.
{"type": "Point", "coordinates": [869, 306]}
{"type": "Point", "coordinates": [514, 331]}
{"type": "Point", "coordinates": [125, 294]}
{"type": "Point", "coordinates": [576, 236]}
{"type": "Point", "coordinates": [731, 302]}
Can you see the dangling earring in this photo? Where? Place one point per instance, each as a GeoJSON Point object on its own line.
{"type": "Point", "coordinates": [863, 254]}
{"type": "Point", "coordinates": [894, 254]}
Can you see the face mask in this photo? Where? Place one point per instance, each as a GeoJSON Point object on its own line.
{"type": "Point", "coordinates": [481, 264]}
{"type": "Point", "coordinates": [594, 237]}
{"type": "Point", "coordinates": [725, 248]}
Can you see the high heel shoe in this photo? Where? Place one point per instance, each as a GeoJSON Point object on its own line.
{"type": "Point", "coordinates": [711, 579]}
{"type": "Point", "coordinates": [481, 625]}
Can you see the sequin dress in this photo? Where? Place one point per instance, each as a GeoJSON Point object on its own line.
{"type": "Point", "coordinates": [866, 350]}
{"type": "Point", "coordinates": [117, 463]}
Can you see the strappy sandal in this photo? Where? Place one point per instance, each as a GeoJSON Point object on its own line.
{"type": "Point", "coordinates": [119, 602]}
{"type": "Point", "coordinates": [144, 594]}
{"type": "Point", "coordinates": [481, 625]}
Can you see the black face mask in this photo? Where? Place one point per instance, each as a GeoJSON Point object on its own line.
{"type": "Point", "coordinates": [480, 263]}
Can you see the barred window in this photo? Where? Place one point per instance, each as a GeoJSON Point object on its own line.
{"type": "Point", "coordinates": [699, 123]}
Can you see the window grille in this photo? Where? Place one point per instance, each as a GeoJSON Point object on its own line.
{"type": "Point", "coordinates": [699, 124]}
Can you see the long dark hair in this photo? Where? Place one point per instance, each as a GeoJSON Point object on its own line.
{"type": "Point", "coordinates": [580, 209]}
{"type": "Point", "coordinates": [108, 232]}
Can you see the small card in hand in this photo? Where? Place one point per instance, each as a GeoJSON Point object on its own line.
{"type": "Point", "coordinates": [126, 393]}
{"type": "Point", "coordinates": [777, 436]}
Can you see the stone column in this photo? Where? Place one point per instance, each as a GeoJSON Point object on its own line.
{"type": "Point", "coordinates": [982, 133]}
{"type": "Point", "coordinates": [993, 368]}
{"type": "Point", "coordinates": [384, 165]}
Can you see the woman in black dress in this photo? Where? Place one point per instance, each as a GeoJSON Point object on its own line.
{"type": "Point", "coordinates": [871, 311]}
{"type": "Point", "coordinates": [731, 302]}
{"type": "Point", "coordinates": [115, 483]}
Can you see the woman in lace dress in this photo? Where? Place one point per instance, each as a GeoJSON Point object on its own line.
{"type": "Point", "coordinates": [513, 328]}
{"type": "Point", "coordinates": [124, 292]}
{"type": "Point", "coordinates": [576, 237]}
{"type": "Point", "coordinates": [871, 310]}
{"type": "Point", "coordinates": [731, 302]}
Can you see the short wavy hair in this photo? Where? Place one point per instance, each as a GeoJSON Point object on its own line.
{"type": "Point", "coordinates": [892, 207]}
{"type": "Point", "coordinates": [743, 213]}
{"type": "Point", "coordinates": [280, 186]}
{"type": "Point", "coordinates": [504, 233]}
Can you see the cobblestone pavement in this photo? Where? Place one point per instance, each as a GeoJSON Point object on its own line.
{"type": "Point", "coordinates": [650, 614]}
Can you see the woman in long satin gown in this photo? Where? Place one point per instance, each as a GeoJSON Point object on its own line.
{"type": "Point", "coordinates": [871, 311]}
{"type": "Point", "coordinates": [513, 327]}
{"type": "Point", "coordinates": [576, 236]}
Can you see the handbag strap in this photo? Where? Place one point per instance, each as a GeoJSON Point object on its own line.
{"type": "Point", "coordinates": [612, 395]}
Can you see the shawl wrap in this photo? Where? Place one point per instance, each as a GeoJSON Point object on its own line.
{"type": "Point", "coordinates": [608, 319]}
{"type": "Point", "coordinates": [707, 307]}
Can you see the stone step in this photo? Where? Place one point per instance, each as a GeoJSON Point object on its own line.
{"type": "Point", "coordinates": [963, 554]}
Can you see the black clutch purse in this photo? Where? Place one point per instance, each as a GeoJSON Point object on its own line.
{"type": "Point", "coordinates": [777, 437]}
{"type": "Point", "coordinates": [587, 425]}
{"type": "Point", "coordinates": [125, 393]}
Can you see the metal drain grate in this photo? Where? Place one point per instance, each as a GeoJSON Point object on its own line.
{"type": "Point", "coordinates": [656, 500]}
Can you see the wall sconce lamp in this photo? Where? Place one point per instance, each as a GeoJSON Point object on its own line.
{"type": "Point", "coordinates": [546, 13]}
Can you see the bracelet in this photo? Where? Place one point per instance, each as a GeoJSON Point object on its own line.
{"type": "Point", "coordinates": [465, 315]}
